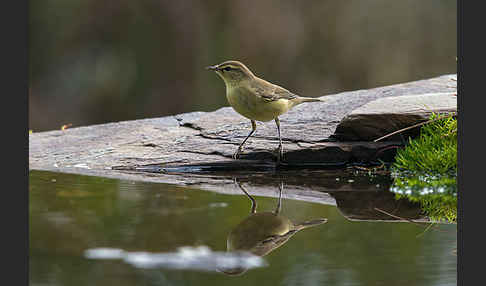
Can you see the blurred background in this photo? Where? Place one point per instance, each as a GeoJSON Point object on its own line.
{"type": "Point", "coordinates": [95, 61]}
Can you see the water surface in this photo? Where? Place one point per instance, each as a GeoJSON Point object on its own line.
{"type": "Point", "coordinates": [71, 215]}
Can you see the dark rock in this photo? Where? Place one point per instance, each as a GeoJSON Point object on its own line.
{"type": "Point", "coordinates": [386, 115]}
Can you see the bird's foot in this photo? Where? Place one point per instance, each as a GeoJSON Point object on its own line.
{"type": "Point", "coordinates": [236, 155]}
{"type": "Point", "coordinates": [280, 155]}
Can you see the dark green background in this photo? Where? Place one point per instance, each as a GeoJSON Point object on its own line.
{"type": "Point", "coordinates": [103, 61]}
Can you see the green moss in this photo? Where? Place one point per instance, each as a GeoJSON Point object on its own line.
{"type": "Point", "coordinates": [436, 194]}
{"type": "Point", "coordinates": [435, 150]}
{"type": "Point", "coordinates": [425, 170]}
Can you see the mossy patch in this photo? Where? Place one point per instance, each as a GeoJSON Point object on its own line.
{"type": "Point", "coordinates": [425, 170]}
{"type": "Point", "coordinates": [434, 151]}
{"type": "Point", "coordinates": [436, 194]}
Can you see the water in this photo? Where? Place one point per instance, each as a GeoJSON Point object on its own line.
{"type": "Point", "coordinates": [144, 225]}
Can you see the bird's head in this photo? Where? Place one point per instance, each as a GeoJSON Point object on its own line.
{"type": "Point", "coordinates": [232, 72]}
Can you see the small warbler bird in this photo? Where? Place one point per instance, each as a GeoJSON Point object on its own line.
{"type": "Point", "coordinates": [263, 232]}
{"type": "Point", "coordinates": [255, 98]}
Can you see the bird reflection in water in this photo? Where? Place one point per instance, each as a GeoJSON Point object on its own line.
{"type": "Point", "coordinates": [262, 232]}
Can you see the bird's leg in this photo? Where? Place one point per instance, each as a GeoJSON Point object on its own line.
{"type": "Point", "coordinates": [279, 203]}
{"type": "Point", "coordinates": [280, 147]}
{"type": "Point", "coordinates": [253, 202]}
{"type": "Point", "coordinates": [240, 148]}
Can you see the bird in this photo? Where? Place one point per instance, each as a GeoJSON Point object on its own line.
{"type": "Point", "coordinates": [262, 232]}
{"type": "Point", "coordinates": [256, 98]}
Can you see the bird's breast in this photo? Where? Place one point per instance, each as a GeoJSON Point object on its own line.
{"type": "Point", "coordinates": [254, 107]}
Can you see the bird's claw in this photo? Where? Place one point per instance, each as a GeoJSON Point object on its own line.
{"type": "Point", "coordinates": [236, 155]}
{"type": "Point", "coordinates": [279, 154]}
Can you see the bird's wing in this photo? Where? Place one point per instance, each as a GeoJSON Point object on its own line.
{"type": "Point", "coordinates": [272, 242]}
{"type": "Point", "coordinates": [276, 239]}
{"type": "Point", "coordinates": [272, 92]}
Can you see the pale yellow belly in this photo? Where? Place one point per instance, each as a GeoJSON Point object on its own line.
{"type": "Point", "coordinates": [256, 108]}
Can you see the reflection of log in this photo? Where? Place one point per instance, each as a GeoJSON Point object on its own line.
{"type": "Point", "coordinates": [167, 145]}
{"type": "Point", "coordinates": [364, 205]}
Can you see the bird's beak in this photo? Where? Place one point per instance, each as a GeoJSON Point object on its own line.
{"type": "Point", "coordinates": [212, 68]}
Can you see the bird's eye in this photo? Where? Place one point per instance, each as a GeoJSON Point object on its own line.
{"type": "Point", "coordinates": [227, 69]}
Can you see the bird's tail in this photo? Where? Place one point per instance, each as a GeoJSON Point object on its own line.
{"type": "Point", "coordinates": [310, 223]}
{"type": "Point", "coordinates": [310, 99]}
{"type": "Point", "coordinates": [301, 99]}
